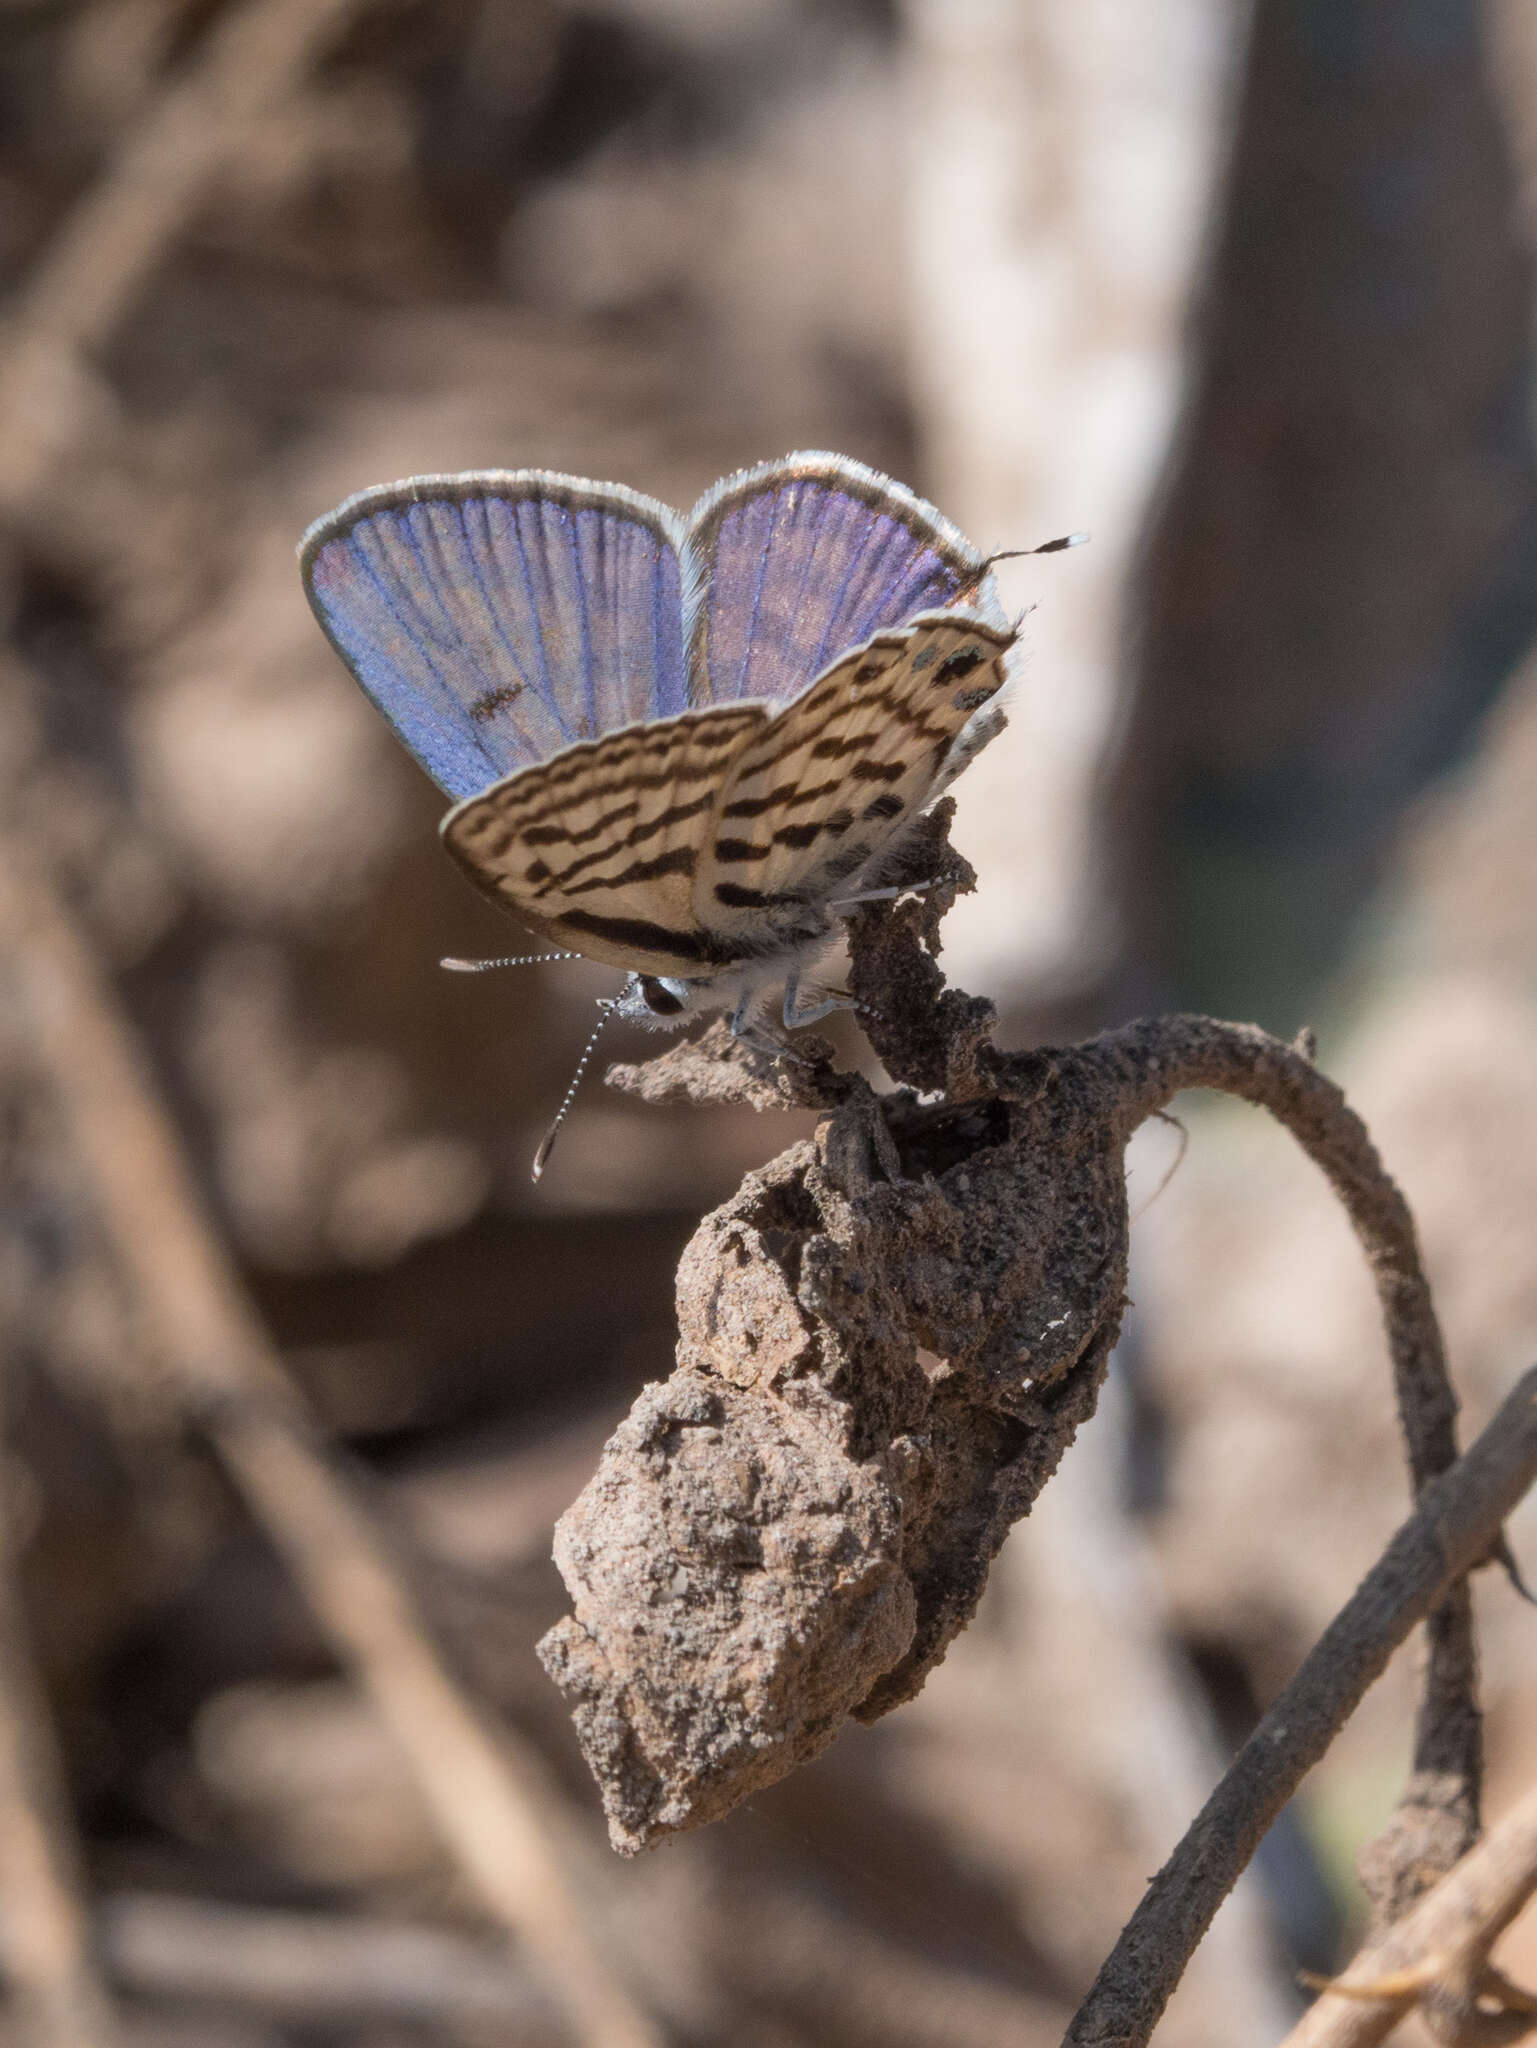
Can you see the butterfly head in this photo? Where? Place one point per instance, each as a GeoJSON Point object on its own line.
{"type": "Point", "coordinates": [657, 1000]}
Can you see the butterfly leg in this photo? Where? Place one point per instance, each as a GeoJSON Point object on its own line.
{"type": "Point", "coordinates": [843, 903]}
{"type": "Point", "coordinates": [813, 1005]}
{"type": "Point", "coordinates": [750, 1022]}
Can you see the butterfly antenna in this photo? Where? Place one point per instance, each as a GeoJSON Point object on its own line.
{"type": "Point", "coordinates": [607, 1005]}
{"type": "Point", "coordinates": [1047, 547]}
{"type": "Point", "coordinates": [456, 966]}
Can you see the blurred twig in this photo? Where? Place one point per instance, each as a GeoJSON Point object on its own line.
{"type": "Point", "coordinates": [315, 1967]}
{"type": "Point", "coordinates": [153, 183]}
{"type": "Point", "coordinates": [45, 1939]}
{"type": "Point", "coordinates": [1097, 1608]}
{"type": "Point", "coordinates": [486, 1791]}
{"type": "Point", "coordinates": [1437, 1956]}
{"type": "Point", "coordinates": [852, 1984]}
{"type": "Point", "coordinates": [1453, 1528]}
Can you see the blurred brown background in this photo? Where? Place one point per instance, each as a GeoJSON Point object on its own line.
{"type": "Point", "coordinates": [1249, 294]}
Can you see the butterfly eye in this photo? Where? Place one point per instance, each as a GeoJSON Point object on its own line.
{"type": "Point", "coordinates": [658, 997]}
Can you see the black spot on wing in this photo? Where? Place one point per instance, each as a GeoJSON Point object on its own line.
{"type": "Point", "coordinates": [797, 835]}
{"type": "Point", "coordinates": [735, 897]}
{"type": "Point", "coordinates": [834, 750]}
{"type": "Point", "coordinates": [637, 836]}
{"type": "Point", "coordinates": [487, 705]}
{"type": "Point", "coordinates": [786, 797]}
{"type": "Point", "coordinates": [959, 664]}
{"type": "Point", "coordinates": [622, 785]}
{"type": "Point", "coordinates": [553, 835]}
{"type": "Point", "coordinates": [841, 865]}
{"type": "Point", "coordinates": [646, 937]}
{"type": "Point", "coordinates": [680, 861]}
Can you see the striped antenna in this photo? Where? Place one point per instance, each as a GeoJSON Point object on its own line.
{"type": "Point", "coordinates": [456, 966]}
{"type": "Point", "coordinates": [1047, 547]}
{"type": "Point", "coordinates": [607, 1004]}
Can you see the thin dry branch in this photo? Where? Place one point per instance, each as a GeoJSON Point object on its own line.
{"type": "Point", "coordinates": [105, 252]}
{"type": "Point", "coordinates": [1439, 1951]}
{"type": "Point", "coordinates": [488, 1792]}
{"type": "Point", "coordinates": [317, 1968]}
{"type": "Point", "coordinates": [46, 1950]}
{"type": "Point", "coordinates": [792, 1969]}
{"type": "Point", "coordinates": [1453, 1528]}
{"type": "Point", "coordinates": [1437, 1817]}
{"type": "Point", "coordinates": [1162, 1056]}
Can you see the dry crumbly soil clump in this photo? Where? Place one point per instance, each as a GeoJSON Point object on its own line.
{"type": "Point", "coordinates": [887, 1339]}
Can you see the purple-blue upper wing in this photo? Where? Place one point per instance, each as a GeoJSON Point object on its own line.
{"type": "Point", "coordinates": [496, 617]}
{"type": "Point", "coordinates": [805, 558]}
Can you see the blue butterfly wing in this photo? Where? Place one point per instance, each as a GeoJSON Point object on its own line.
{"type": "Point", "coordinates": [803, 559]}
{"type": "Point", "coordinates": [497, 617]}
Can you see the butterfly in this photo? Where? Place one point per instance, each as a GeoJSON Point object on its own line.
{"type": "Point", "coordinates": [683, 745]}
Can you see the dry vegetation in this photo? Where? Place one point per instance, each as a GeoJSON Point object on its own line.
{"type": "Point", "coordinates": [300, 1372]}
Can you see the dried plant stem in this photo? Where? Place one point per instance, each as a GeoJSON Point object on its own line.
{"type": "Point", "coordinates": [1160, 1057]}
{"type": "Point", "coordinates": [318, 1967]}
{"type": "Point", "coordinates": [1457, 1520]}
{"type": "Point", "coordinates": [101, 257]}
{"type": "Point", "coordinates": [1437, 1816]}
{"type": "Point", "coordinates": [59, 2000]}
{"type": "Point", "coordinates": [487, 1791]}
{"type": "Point", "coordinates": [1438, 1953]}
{"type": "Point", "coordinates": [1437, 1819]}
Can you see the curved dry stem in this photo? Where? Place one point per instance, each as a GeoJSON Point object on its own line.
{"type": "Point", "coordinates": [1152, 1061]}
{"type": "Point", "coordinates": [1437, 1817]}
{"type": "Point", "coordinates": [1439, 1955]}
{"type": "Point", "coordinates": [1157, 1058]}
{"type": "Point", "coordinates": [1456, 1521]}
